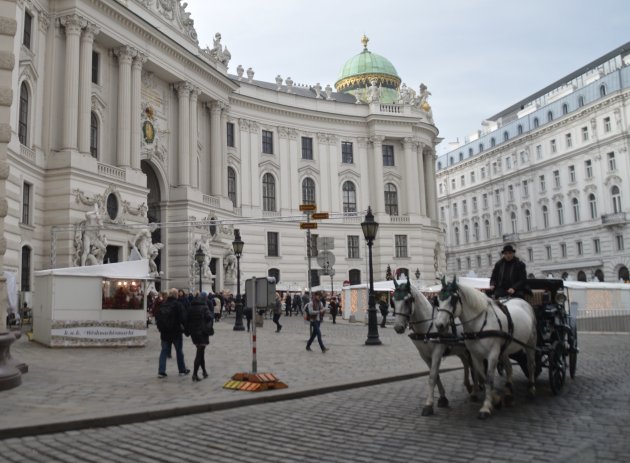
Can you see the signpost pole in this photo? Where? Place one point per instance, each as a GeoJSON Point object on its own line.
{"type": "Point", "coordinates": [254, 313]}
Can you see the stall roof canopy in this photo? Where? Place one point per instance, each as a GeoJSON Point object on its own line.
{"type": "Point", "coordinates": [131, 270]}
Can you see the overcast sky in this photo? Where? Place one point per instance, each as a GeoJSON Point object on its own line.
{"type": "Point", "coordinates": [477, 57]}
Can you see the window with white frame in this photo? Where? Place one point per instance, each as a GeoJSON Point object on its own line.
{"type": "Point", "coordinates": [308, 191]}
{"type": "Point", "coordinates": [545, 216]}
{"type": "Point", "coordinates": [388, 155]}
{"type": "Point", "coordinates": [508, 162]}
{"type": "Point", "coordinates": [615, 194]}
{"type": "Point", "coordinates": [530, 254]}
{"type": "Point", "coordinates": [513, 221]}
{"type": "Point", "coordinates": [607, 126]}
{"type": "Point", "coordinates": [588, 165]}
{"type": "Point", "coordinates": [453, 184]}
{"type": "Point", "coordinates": [272, 244]}
{"type": "Point", "coordinates": [455, 213]}
{"type": "Point", "coordinates": [592, 205]}
{"type": "Point", "coordinates": [27, 189]}
{"type": "Point", "coordinates": [575, 205]}
{"type": "Point", "coordinates": [560, 211]}
{"type": "Point", "coordinates": [556, 178]}
{"type": "Point", "coordinates": [553, 146]}
{"type": "Point", "coordinates": [584, 133]}
{"type": "Point", "coordinates": [528, 220]}
{"type": "Point", "coordinates": [391, 199]}
{"type": "Point", "coordinates": [579, 247]}
{"type": "Point", "coordinates": [612, 165]}
{"type": "Point", "coordinates": [353, 247]}
{"type": "Point", "coordinates": [495, 169]}
{"type": "Point", "coordinates": [541, 180]}
{"type": "Point", "coordinates": [466, 234]}
{"type": "Point", "coordinates": [468, 263]}
{"type": "Point", "coordinates": [476, 231]}
{"type": "Point", "coordinates": [472, 176]}
{"type": "Point", "coordinates": [484, 200]}
{"type": "Point", "coordinates": [482, 171]}
{"type": "Point", "coordinates": [464, 207]}
{"type": "Point", "coordinates": [23, 114]}
{"type": "Point", "coordinates": [347, 155]}
{"type": "Point", "coordinates": [510, 192]}
{"type": "Point", "coordinates": [441, 188]}
{"type": "Point", "coordinates": [307, 148]}
{"type": "Point", "coordinates": [459, 264]}
{"type": "Point", "coordinates": [462, 181]}
{"type": "Point", "coordinates": [269, 192]}
{"type": "Point", "coordinates": [499, 226]}
{"type": "Point", "coordinates": [349, 197]}
{"type": "Point", "coordinates": [538, 152]}
{"type": "Point", "coordinates": [548, 250]}
{"type": "Point", "coordinates": [231, 185]}
{"type": "Point", "coordinates": [497, 198]}
{"type": "Point", "coordinates": [401, 245]}
{"type": "Point", "coordinates": [619, 241]}
{"type": "Point", "coordinates": [571, 174]}
{"type": "Point", "coordinates": [456, 235]}
{"type": "Point", "coordinates": [563, 250]}
{"type": "Point", "coordinates": [267, 142]}
{"type": "Point", "coordinates": [486, 226]}
{"type": "Point", "coordinates": [597, 249]}
{"type": "Point", "coordinates": [525, 188]}
{"type": "Point", "coordinates": [442, 214]}
{"type": "Point", "coordinates": [478, 261]}
{"type": "Point", "coordinates": [474, 204]}
{"type": "Point", "coordinates": [568, 140]}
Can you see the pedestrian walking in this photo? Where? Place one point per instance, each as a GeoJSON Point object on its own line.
{"type": "Point", "coordinates": [277, 312]}
{"type": "Point", "coordinates": [200, 326]}
{"type": "Point", "coordinates": [170, 320]}
{"type": "Point", "coordinates": [287, 305]}
{"type": "Point", "coordinates": [334, 308]}
{"type": "Point", "coordinates": [297, 304]}
{"type": "Point", "coordinates": [384, 308]}
{"type": "Point", "coordinates": [314, 309]}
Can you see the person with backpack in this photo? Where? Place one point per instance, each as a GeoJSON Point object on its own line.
{"type": "Point", "coordinates": [277, 312]}
{"type": "Point", "coordinates": [199, 326]}
{"type": "Point", "coordinates": [170, 320]}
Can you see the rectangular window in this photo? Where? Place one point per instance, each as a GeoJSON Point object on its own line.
{"type": "Point", "coordinates": [441, 188]}
{"type": "Point", "coordinates": [568, 140]}
{"type": "Point", "coordinates": [347, 156]}
{"type": "Point", "coordinates": [455, 210]}
{"type": "Point", "coordinates": [588, 164]}
{"type": "Point", "coordinates": [267, 142]}
{"type": "Point", "coordinates": [474, 204]}
{"type": "Point", "coordinates": [28, 26]}
{"type": "Point", "coordinates": [612, 165]}
{"type": "Point", "coordinates": [468, 263]}
{"type": "Point", "coordinates": [307, 148]}
{"type": "Point", "coordinates": [495, 169]}
{"type": "Point", "coordinates": [543, 187]}
{"type": "Point", "coordinates": [464, 207]}
{"type": "Point", "coordinates": [563, 249]}
{"type": "Point", "coordinates": [453, 184]}
{"type": "Point", "coordinates": [472, 177]}
{"type": "Point", "coordinates": [26, 203]}
{"type": "Point", "coordinates": [484, 199]}
{"type": "Point", "coordinates": [596, 246]}
{"type": "Point", "coordinates": [538, 152]}
{"type": "Point", "coordinates": [497, 198]}
{"type": "Point", "coordinates": [483, 173]}
{"type": "Point", "coordinates": [579, 248]}
{"type": "Point", "coordinates": [442, 214]}
{"type": "Point", "coordinates": [95, 67]}
{"type": "Point", "coordinates": [272, 244]}
{"type": "Point", "coordinates": [554, 148]}
{"type": "Point", "coordinates": [556, 178]}
{"type": "Point", "coordinates": [229, 134]}
{"type": "Point", "coordinates": [572, 174]}
{"type": "Point", "coordinates": [584, 133]}
{"type": "Point", "coordinates": [510, 193]}
{"type": "Point", "coordinates": [525, 188]}
{"type": "Point", "coordinates": [548, 249]}
{"type": "Point", "coordinates": [607, 126]}
{"type": "Point", "coordinates": [462, 181]}
{"type": "Point", "coordinates": [508, 163]}
{"type": "Point", "coordinates": [353, 247]}
{"type": "Point", "coordinates": [401, 245]}
{"type": "Point", "coordinates": [619, 239]}
{"type": "Point", "coordinates": [478, 261]}
{"type": "Point", "coordinates": [530, 255]}
{"type": "Point", "coordinates": [388, 155]}
{"type": "Point", "coordinates": [459, 264]}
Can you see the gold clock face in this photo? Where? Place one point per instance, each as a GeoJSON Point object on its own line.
{"type": "Point", "coordinates": [148, 132]}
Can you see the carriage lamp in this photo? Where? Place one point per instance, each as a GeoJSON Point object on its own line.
{"type": "Point", "coordinates": [370, 227]}
{"type": "Point", "coordinates": [237, 246]}
{"type": "Point", "coordinates": [417, 273]}
{"type": "Point", "coordinates": [200, 256]}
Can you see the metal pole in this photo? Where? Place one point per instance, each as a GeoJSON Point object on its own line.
{"type": "Point", "coordinates": [200, 288]}
{"type": "Point", "coordinates": [254, 312]}
{"type": "Point", "coordinates": [372, 339]}
{"type": "Point", "coordinates": [238, 323]}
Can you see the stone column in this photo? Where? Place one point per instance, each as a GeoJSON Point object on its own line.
{"type": "Point", "coordinates": [125, 55]}
{"type": "Point", "coordinates": [224, 159]}
{"type": "Point", "coordinates": [136, 109]}
{"type": "Point", "coordinates": [216, 175]}
{"type": "Point", "coordinates": [429, 175]}
{"type": "Point", "coordinates": [377, 191]}
{"type": "Point", "coordinates": [183, 155]}
{"type": "Point", "coordinates": [422, 185]}
{"type": "Point", "coordinates": [85, 86]}
{"type": "Point", "coordinates": [73, 25]}
{"type": "Point", "coordinates": [411, 169]}
{"type": "Point", "coordinates": [283, 156]}
{"type": "Point", "coordinates": [363, 162]}
{"type": "Point", "coordinates": [192, 117]}
{"type": "Point", "coordinates": [245, 179]}
{"type": "Point", "coordinates": [255, 148]}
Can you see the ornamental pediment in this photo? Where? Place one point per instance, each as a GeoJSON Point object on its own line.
{"type": "Point", "coordinates": [613, 180]}
{"type": "Point", "coordinates": [590, 188]}
{"type": "Point", "coordinates": [172, 13]}
{"type": "Point", "coordinates": [308, 171]}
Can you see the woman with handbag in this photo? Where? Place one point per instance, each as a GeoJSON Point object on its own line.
{"type": "Point", "coordinates": [199, 326]}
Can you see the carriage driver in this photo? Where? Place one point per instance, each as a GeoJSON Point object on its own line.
{"type": "Point", "coordinates": [509, 276]}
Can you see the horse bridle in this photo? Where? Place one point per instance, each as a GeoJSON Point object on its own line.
{"type": "Point", "coordinates": [408, 301]}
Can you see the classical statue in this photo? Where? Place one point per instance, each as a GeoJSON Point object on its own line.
{"type": "Point", "coordinates": [318, 90]}
{"type": "Point", "coordinates": [229, 266]}
{"type": "Point", "coordinates": [218, 52]}
{"type": "Point", "coordinates": [154, 250]}
{"type": "Point", "coordinates": [374, 92]}
{"type": "Point", "coordinates": [143, 244]}
{"type": "Point", "coordinates": [239, 71]}
{"type": "Point", "coordinates": [90, 244]}
{"type": "Point", "coordinates": [279, 82]}
{"type": "Point", "coordinates": [423, 102]}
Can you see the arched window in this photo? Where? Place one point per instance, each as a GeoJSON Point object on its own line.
{"type": "Point", "coordinates": [451, 160]}
{"type": "Point", "coordinates": [308, 191]}
{"type": "Point", "coordinates": [599, 275]}
{"type": "Point", "coordinates": [461, 156]}
{"type": "Point", "coordinates": [528, 220]}
{"type": "Point", "coordinates": [391, 199]}
{"type": "Point", "coordinates": [513, 221]}
{"type": "Point", "coordinates": [493, 142]}
{"type": "Point", "coordinates": [549, 116]}
{"type": "Point", "coordinates": [480, 147]}
{"type": "Point", "coordinates": [602, 90]}
{"type": "Point", "coordinates": [560, 210]}
{"type": "Point", "coordinates": [466, 234]}
{"type": "Point", "coordinates": [25, 280]}
{"type": "Point", "coordinates": [486, 226]}
{"type": "Point", "coordinates": [476, 231]}
{"type": "Point", "coordinates": [506, 136]}
{"type": "Point", "coordinates": [269, 193]}
{"type": "Point", "coordinates": [581, 276]}
{"type": "Point", "coordinates": [536, 122]}
{"type": "Point", "coordinates": [545, 215]}
{"type": "Point", "coordinates": [499, 226]}
{"type": "Point", "coordinates": [565, 108]}
{"type": "Point", "coordinates": [93, 135]}
{"type": "Point", "coordinates": [520, 129]}
{"type": "Point", "coordinates": [456, 235]}
{"type": "Point", "coordinates": [580, 104]}
{"type": "Point", "coordinates": [624, 274]}
{"type": "Point", "coordinates": [470, 152]}
{"type": "Point", "coordinates": [231, 185]}
{"type": "Point", "coordinates": [349, 197]}
{"type": "Point", "coordinates": [592, 205]}
{"type": "Point", "coordinates": [616, 199]}
{"type": "Point", "coordinates": [23, 114]}
{"type": "Point", "coordinates": [439, 165]}
{"type": "Point", "coordinates": [275, 273]}
{"type": "Point", "coordinates": [354, 276]}
{"type": "Point", "coordinates": [576, 209]}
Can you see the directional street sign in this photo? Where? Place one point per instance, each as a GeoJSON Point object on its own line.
{"type": "Point", "coordinates": [325, 243]}
{"type": "Point", "coordinates": [308, 207]}
{"type": "Point", "coordinates": [319, 215]}
{"type": "Point", "coordinates": [308, 225]}
{"type": "Point", "coordinates": [326, 259]}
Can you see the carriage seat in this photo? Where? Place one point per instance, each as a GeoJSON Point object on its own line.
{"type": "Point", "coordinates": [535, 299]}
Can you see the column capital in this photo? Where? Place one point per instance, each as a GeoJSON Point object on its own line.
{"type": "Point", "coordinates": [216, 107]}
{"type": "Point", "coordinates": [139, 59]}
{"type": "Point", "coordinates": [362, 142]}
{"type": "Point", "coordinates": [44, 21]}
{"type": "Point", "coordinates": [125, 54]}
{"type": "Point", "coordinates": [283, 132]}
{"type": "Point", "coordinates": [243, 124]}
{"type": "Point", "coordinates": [377, 139]}
{"type": "Point", "coordinates": [73, 23]}
{"type": "Point", "coordinates": [183, 89]}
{"type": "Point", "coordinates": [90, 31]}
{"type": "Point", "coordinates": [194, 92]}
{"type": "Point", "coordinates": [409, 142]}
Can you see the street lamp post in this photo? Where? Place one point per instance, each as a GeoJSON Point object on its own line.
{"type": "Point", "coordinates": [200, 256]}
{"type": "Point", "coordinates": [370, 227]}
{"type": "Point", "coordinates": [237, 246]}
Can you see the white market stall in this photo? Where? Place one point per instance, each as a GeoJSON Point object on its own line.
{"type": "Point", "coordinates": [97, 305]}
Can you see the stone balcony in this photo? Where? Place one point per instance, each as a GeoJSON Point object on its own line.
{"type": "Point", "coordinates": [617, 218]}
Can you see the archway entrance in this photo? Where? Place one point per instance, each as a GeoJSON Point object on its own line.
{"type": "Point", "coordinates": [624, 274]}
{"type": "Point", "coordinates": [599, 275]}
{"type": "Point", "coordinates": [581, 276]}
{"type": "Point", "coordinates": [154, 212]}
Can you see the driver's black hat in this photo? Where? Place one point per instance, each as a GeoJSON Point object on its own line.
{"type": "Point", "coordinates": [508, 248]}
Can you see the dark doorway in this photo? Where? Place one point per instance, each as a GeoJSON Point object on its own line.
{"type": "Point", "coordinates": [112, 255]}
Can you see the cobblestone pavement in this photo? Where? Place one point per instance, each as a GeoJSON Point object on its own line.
{"type": "Point", "coordinates": [587, 422]}
{"type": "Point", "coordinates": [70, 387]}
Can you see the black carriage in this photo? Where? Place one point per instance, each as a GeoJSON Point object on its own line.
{"type": "Point", "coordinates": [557, 332]}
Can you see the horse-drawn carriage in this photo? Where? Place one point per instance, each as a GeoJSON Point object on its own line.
{"type": "Point", "coordinates": [538, 333]}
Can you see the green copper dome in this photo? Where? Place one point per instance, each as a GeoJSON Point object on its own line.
{"type": "Point", "coordinates": [359, 71]}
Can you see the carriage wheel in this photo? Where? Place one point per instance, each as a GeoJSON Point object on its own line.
{"type": "Point", "coordinates": [557, 367]}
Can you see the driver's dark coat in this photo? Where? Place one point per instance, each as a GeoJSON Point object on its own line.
{"type": "Point", "coordinates": [506, 275]}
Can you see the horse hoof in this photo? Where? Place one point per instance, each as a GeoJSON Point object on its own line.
{"type": "Point", "coordinates": [483, 415]}
{"type": "Point", "coordinates": [442, 402]}
{"type": "Point", "coordinates": [427, 410]}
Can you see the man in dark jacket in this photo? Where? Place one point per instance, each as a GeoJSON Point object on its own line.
{"type": "Point", "coordinates": [170, 320]}
{"type": "Point", "coordinates": [509, 276]}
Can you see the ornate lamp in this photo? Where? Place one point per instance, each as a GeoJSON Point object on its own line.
{"type": "Point", "coordinates": [237, 246]}
{"type": "Point", "coordinates": [200, 256]}
{"type": "Point", "coordinates": [370, 227]}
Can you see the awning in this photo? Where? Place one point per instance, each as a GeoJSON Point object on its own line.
{"type": "Point", "coordinates": [574, 265]}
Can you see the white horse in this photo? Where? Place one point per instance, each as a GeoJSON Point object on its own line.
{"type": "Point", "coordinates": [489, 333]}
{"type": "Point", "coordinates": [413, 309]}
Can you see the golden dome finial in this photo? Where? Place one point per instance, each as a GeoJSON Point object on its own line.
{"type": "Point", "coordinates": [364, 41]}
